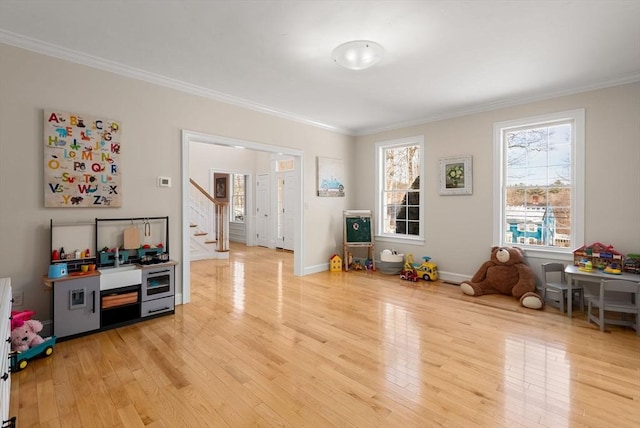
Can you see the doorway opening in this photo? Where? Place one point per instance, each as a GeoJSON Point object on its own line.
{"type": "Point", "coordinates": [285, 202]}
{"type": "Point", "coordinates": [189, 137]}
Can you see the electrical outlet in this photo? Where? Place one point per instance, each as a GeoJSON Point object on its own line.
{"type": "Point", "coordinates": [18, 298]}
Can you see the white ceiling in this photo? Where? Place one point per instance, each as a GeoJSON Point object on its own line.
{"type": "Point", "coordinates": [443, 58]}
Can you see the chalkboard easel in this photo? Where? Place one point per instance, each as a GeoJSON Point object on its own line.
{"type": "Point", "coordinates": [357, 232]}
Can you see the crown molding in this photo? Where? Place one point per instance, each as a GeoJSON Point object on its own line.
{"type": "Point", "coordinates": [58, 52]}
{"type": "Point", "coordinates": [51, 50]}
{"type": "Point", "coordinates": [481, 108]}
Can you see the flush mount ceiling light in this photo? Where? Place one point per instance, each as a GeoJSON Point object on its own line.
{"type": "Point", "coordinates": [358, 54]}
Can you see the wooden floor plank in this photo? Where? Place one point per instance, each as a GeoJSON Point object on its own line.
{"type": "Point", "coordinates": [258, 346]}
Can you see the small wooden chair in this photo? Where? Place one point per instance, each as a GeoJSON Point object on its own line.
{"type": "Point", "coordinates": [616, 295]}
{"type": "Point", "coordinates": [559, 288]}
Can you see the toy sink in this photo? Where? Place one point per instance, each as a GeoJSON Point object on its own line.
{"type": "Point", "coordinates": [116, 277]}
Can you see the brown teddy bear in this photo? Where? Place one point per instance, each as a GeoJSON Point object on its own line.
{"type": "Point", "coordinates": [506, 273]}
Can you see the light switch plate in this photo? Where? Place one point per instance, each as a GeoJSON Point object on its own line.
{"type": "Point", "coordinates": [164, 181]}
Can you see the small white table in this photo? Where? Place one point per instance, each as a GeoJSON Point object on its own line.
{"type": "Point", "coordinates": [573, 273]}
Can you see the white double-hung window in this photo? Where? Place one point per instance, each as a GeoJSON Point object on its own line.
{"type": "Point", "coordinates": [399, 196]}
{"type": "Point", "coordinates": [238, 198]}
{"type": "Point", "coordinates": [539, 181]}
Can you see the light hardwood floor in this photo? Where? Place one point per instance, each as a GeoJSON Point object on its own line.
{"type": "Point", "coordinates": [260, 347]}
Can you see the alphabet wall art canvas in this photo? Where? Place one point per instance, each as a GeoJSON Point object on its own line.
{"type": "Point", "coordinates": [81, 161]}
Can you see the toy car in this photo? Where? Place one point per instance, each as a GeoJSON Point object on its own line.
{"type": "Point", "coordinates": [20, 360]}
{"type": "Point", "coordinates": [409, 275]}
{"type": "Point", "coordinates": [331, 184]}
{"type": "Point", "coordinates": [427, 270]}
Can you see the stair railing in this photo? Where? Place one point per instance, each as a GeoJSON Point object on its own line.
{"type": "Point", "coordinates": [221, 218]}
{"type": "Point", "coordinates": [201, 214]}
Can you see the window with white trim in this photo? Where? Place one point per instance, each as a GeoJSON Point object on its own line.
{"type": "Point", "coordinates": [399, 199]}
{"type": "Point", "coordinates": [238, 198]}
{"type": "Point", "coordinates": [539, 181]}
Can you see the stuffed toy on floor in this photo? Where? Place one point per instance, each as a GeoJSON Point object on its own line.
{"type": "Point", "coordinates": [26, 336]}
{"type": "Point", "coordinates": [506, 273]}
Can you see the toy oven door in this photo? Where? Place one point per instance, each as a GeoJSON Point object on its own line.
{"type": "Point", "coordinates": [157, 283]}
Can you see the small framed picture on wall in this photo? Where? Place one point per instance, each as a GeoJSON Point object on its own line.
{"type": "Point", "coordinates": [456, 176]}
{"type": "Point", "coordinates": [220, 181]}
{"type": "Point", "coordinates": [330, 177]}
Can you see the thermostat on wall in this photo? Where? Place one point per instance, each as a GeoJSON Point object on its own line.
{"type": "Point", "coordinates": [164, 181]}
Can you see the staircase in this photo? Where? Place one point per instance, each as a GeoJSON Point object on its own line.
{"type": "Point", "coordinates": [207, 221]}
{"type": "Point", "coordinates": [201, 246]}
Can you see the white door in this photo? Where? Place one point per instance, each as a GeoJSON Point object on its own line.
{"type": "Point", "coordinates": [288, 208]}
{"type": "Point", "coordinates": [280, 210]}
{"type": "Point", "coordinates": [262, 210]}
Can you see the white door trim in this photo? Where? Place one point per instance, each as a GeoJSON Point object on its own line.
{"type": "Point", "coordinates": [200, 137]}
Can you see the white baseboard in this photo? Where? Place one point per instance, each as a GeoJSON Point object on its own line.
{"type": "Point", "coordinates": [218, 255]}
{"type": "Point", "coordinates": [450, 277]}
{"type": "Point", "coordinates": [453, 278]}
{"type": "Point", "coordinates": [315, 269]}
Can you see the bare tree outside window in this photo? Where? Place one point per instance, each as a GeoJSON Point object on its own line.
{"type": "Point", "coordinates": [238, 198]}
{"type": "Point", "coordinates": [401, 193]}
{"type": "Point", "coordinates": [537, 182]}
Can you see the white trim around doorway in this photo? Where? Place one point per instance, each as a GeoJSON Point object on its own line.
{"type": "Point", "coordinates": [199, 137]}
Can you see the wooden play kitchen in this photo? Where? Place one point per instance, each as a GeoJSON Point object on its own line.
{"type": "Point", "coordinates": [129, 277]}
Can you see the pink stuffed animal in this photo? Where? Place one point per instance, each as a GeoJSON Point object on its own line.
{"type": "Point", "coordinates": [26, 336]}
